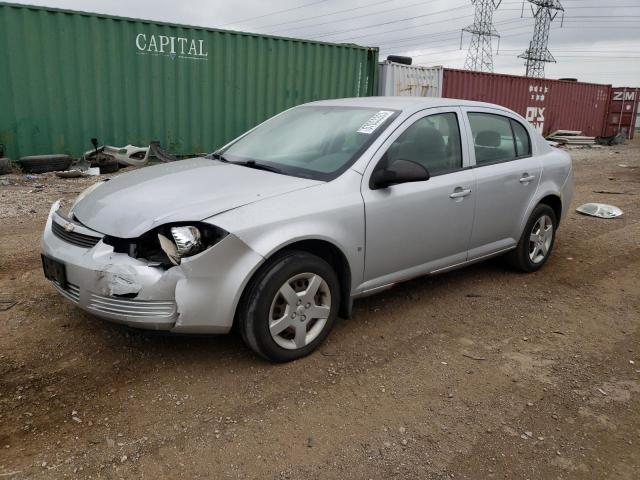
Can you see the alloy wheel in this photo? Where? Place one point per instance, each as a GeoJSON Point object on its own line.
{"type": "Point", "coordinates": [540, 239]}
{"type": "Point", "coordinates": [299, 310]}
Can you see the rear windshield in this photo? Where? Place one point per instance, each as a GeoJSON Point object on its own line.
{"type": "Point", "coordinates": [316, 142]}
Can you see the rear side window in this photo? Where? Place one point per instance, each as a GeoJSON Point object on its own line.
{"type": "Point", "coordinates": [523, 143]}
{"type": "Point", "coordinates": [492, 138]}
{"type": "Point", "coordinates": [433, 142]}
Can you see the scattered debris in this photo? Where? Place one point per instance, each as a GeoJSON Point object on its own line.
{"type": "Point", "coordinates": [612, 192]}
{"type": "Point", "coordinates": [602, 392]}
{"type": "Point", "coordinates": [69, 174]}
{"type": "Point", "coordinates": [570, 137]}
{"type": "Point", "coordinates": [76, 172]}
{"type": "Point", "coordinates": [161, 154]}
{"type": "Point", "coordinates": [611, 139]}
{"type": "Point", "coordinates": [7, 303]}
{"type": "Point", "coordinates": [473, 295]}
{"type": "Point", "coordinates": [472, 357]}
{"type": "Point", "coordinates": [558, 332]}
{"type": "Point", "coordinates": [601, 210]}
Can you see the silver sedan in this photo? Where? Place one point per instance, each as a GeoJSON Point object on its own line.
{"type": "Point", "coordinates": [278, 231]}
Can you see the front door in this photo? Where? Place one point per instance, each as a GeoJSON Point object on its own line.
{"type": "Point", "coordinates": [415, 228]}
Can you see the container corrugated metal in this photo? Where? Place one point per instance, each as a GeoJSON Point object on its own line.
{"type": "Point", "coordinates": [623, 111]}
{"type": "Point", "coordinates": [396, 79]}
{"type": "Point", "coordinates": [68, 76]}
{"type": "Point", "coordinates": [547, 104]}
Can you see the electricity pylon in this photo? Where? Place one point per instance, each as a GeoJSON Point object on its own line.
{"type": "Point", "coordinates": [538, 53]}
{"type": "Point", "coordinates": [480, 53]}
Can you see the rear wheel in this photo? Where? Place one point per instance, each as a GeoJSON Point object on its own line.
{"type": "Point", "coordinates": [289, 307]}
{"type": "Point", "coordinates": [537, 240]}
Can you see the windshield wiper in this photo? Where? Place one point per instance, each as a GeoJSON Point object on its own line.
{"type": "Point", "coordinates": [218, 156]}
{"type": "Point", "coordinates": [258, 166]}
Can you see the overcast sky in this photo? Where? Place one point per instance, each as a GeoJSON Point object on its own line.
{"type": "Point", "coordinates": [597, 42]}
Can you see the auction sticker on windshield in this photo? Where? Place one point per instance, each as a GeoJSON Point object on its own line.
{"type": "Point", "coordinates": [374, 122]}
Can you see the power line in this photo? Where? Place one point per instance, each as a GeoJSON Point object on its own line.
{"type": "Point", "coordinates": [392, 21]}
{"type": "Point", "coordinates": [335, 13]}
{"type": "Point", "coordinates": [275, 13]}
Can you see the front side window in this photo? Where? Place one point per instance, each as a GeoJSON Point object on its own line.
{"type": "Point", "coordinates": [318, 142]}
{"type": "Point", "coordinates": [433, 142]}
{"type": "Point", "coordinates": [492, 138]}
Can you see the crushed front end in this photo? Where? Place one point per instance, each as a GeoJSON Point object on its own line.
{"type": "Point", "coordinates": [134, 282]}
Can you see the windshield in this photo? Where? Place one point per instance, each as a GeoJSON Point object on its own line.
{"type": "Point", "coordinates": [312, 141]}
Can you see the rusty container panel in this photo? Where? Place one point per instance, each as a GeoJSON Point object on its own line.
{"type": "Point", "coordinates": [66, 77]}
{"type": "Point", "coordinates": [547, 104]}
{"type": "Point", "coordinates": [623, 111]}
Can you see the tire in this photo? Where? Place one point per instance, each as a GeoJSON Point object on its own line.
{"type": "Point", "coordinates": [109, 167]}
{"type": "Point", "coordinates": [529, 256]}
{"type": "Point", "coordinates": [299, 331]}
{"type": "Point", "coordinates": [44, 163]}
{"type": "Point", "coordinates": [400, 59]}
{"type": "Point", "coordinates": [5, 166]}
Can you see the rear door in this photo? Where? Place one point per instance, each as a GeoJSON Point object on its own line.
{"type": "Point", "coordinates": [507, 176]}
{"type": "Point", "coordinates": [416, 228]}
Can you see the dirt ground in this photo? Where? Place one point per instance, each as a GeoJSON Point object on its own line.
{"type": "Point", "coordinates": [480, 373]}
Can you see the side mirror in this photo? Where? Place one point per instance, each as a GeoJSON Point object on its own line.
{"type": "Point", "coordinates": [399, 171]}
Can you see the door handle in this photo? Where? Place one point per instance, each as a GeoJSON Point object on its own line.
{"type": "Point", "coordinates": [526, 178]}
{"type": "Point", "coordinates": [460, 192]}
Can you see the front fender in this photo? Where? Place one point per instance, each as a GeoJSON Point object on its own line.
{"type": "Point", "coordinates": [332, 212]}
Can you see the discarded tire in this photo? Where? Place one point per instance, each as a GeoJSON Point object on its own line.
{"type": "Point", "coordinates": [44, 163]}
{"type": "Point", "coordinates": [5, 166]}
{"type": "Point", "coordinates": [107, 163]}
{"type": "Point", "coordinates": [400, 59]}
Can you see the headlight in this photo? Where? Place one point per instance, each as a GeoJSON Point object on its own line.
{"type": "Point", "coordinates": [85, 192]}
{"type": "Point", "coordinates": [188, 240]}
{"type": "Point", "coordinates": [167, 245]}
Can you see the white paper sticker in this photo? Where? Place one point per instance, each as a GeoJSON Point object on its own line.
{"type": "Point", "coordinates": [374, 122]}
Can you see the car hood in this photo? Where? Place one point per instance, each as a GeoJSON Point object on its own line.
{"type": "Point", "coordinates": [188, 190]}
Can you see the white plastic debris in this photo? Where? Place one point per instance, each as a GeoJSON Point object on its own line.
{"type": "Point", "coordinates": [601, 210]}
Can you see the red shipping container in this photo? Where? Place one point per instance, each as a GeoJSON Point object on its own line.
{"type": "Point", "coordinates": [623, 109]}
{"type": "Point", "coordinates": [548, 105]}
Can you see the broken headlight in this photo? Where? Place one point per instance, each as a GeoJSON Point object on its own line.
{"type": "Point", "coordinates": [187, 241]}
{"type": "Point", "coordinates": [169, 244]}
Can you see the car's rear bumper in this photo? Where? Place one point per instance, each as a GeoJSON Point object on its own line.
{"type": "Point", "coordinates": [199, 296]}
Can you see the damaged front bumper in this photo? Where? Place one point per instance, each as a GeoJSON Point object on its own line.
{"type": "Point", "coordinates": [198, 296]}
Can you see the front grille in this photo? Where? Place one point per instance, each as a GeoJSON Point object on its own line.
{"type": "Point", "coordinates": [74, 238]}
{"type": "Point", "coordinates": [72, 292]}
{"type": "Point", "coordinates": [132, 307]}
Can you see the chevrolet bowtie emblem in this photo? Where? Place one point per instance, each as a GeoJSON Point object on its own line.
{"type": "Point", "coordinates": [69, 227]}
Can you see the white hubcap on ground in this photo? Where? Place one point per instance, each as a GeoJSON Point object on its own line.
{"type": "Point", "coordinates": [540, 239]}
{"type": "Point", "coordinates": [299, 310]}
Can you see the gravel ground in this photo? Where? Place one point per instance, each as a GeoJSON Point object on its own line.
{"type": "Point", "coordinates": [480, 373]}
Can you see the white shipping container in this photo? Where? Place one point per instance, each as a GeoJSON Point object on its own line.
{"type": "Point", "coordinates": [397, 79]}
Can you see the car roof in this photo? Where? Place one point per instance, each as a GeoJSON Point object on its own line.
{"type": "Point", "coordinates": [407, 104]}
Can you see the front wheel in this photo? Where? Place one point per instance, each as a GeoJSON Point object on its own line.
{"type": "Point", "coordinates": [289, 307]}
{"type": "Point", "coordinates": [537, 240]}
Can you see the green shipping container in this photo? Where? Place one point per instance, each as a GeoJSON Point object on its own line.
{"type": "Point", "coordinates": [66, 77]}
